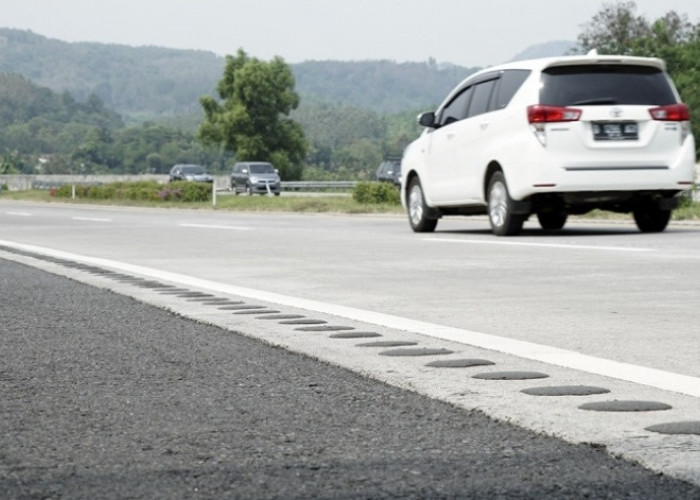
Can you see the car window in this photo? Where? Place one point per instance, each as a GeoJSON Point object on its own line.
{"type": "Point", "coordinates": [605, 84]}
{"type": "Point", "coordinates": [480, 101]}
{"type": "Point", "coordinates": [456, 109]}
{"type": "Point", "coordinates": [508, 85]}
{"type": "Point", "coordinates": [193, 169]}
{"type": "Point", "coordinates": [264, 168]}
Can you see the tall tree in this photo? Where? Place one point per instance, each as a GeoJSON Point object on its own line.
{"type": "Point", "coordinates": [617, 29]}
{"type": "Point", "coordinates": [252, 117]}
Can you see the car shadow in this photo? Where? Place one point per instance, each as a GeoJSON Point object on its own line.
{"type": "Point", "coordinates": [568, 232]}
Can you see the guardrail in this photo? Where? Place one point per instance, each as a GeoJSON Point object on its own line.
{"type": "Point", "coordinates": [43, 184]}
{"type": "Point", "coordinates": [316, 185]}
{"type": "Point", "coordinates": [222, 182]}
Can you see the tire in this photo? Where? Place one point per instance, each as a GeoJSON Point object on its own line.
{"type": "Point", "coordinates": [249, 189]}
{"type": "Point", "coordinates": [417, 209]}
{"type": "Point", "coordinates": [651, 219]}
{"type": "Point", "coordinates": [500, 208]}
{"type": "Point", "coordinates": [552, 221]}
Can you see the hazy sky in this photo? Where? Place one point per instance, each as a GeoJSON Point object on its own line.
{"type": "Point", "coordinates": [464, 32]}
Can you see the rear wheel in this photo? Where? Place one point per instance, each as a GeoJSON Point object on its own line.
{"type": "Point", "coordinates": [249, 189]}
{"type": "Point", "coordinates": [552, 221]}
{"type": "Point", "coordinates": [418, 210]}
{"type": "Point", "coordinates": [500, 205]}
{"type": "Point", "coordinates": [651, 219]}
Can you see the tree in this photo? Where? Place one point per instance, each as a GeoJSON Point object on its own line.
{"type": "Point", "coordinates": [252, 120]}
{"type": "Point", "coordinates": [10, 164]}
{"type": "Point", "coordinates": [616, 29]}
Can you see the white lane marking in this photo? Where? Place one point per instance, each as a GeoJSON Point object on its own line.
{"type": "Point", "coordinates": [19, 214]}
{"type": "Point", "coordinates": [652, 377]}
{"type": "Point", "coordinates": [92, 219]}
{"type": "Point", "coordinates": [214, 226]}
{"type": "Point", "coordinates": [546, 245]}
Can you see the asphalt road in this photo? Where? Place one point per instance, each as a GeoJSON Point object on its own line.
{"type": "Point", "coordinates": [106, 397]}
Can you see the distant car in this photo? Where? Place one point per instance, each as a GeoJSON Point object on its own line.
{"type": "Point", "coordinates": [389, 171]}
{"type": "Point", "coordinates": [255, 177]}
{"type": "Point", "coordinates": [187, 172]}
{"type": "Point", "coordinates": [553, 137]}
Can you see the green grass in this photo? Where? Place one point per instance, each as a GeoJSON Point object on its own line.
{"type": "Point", "coordinates": [309, 204]}
{"type": "Point", "coordinates": [690, 211]}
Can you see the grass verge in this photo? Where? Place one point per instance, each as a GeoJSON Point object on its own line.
{"type": "Point", "coordinates": [298, 203]}
{"type": "Point", "coordinates": [689, 211]}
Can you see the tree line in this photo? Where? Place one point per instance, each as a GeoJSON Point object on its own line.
{"type": "Point", "coordinates": [618, 29]}
{"type": "Point", "coordinates": [259, 114]}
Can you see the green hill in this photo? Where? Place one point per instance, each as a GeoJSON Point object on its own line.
{"type": "Point", "coordinates": [151, 82]}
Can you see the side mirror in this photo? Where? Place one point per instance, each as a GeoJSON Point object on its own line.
{"type": "Point", "coordinates": [244, 171]}
{"type": "Point", "coordinates": [427, 119]}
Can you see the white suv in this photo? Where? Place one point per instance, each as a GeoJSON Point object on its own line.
{"type": "Point", "coordinates": [553, 137]}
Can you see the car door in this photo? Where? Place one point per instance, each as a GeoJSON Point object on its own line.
{"type": "Point", "coordinates": [239, 177]}
{"type": "Point", "coordinates": [442, 183]}
{"type": "Point", "coordinates": [474, 136]}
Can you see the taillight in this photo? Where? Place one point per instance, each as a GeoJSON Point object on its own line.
{"type": "Point", "coordinates": [671, 113]}
{"type": "Point", "coordinates": [547, 114]}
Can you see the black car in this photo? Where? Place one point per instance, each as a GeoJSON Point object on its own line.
{"type": "Point", "coordinates": [389, 171]}
{"type": "Point", "coordinates": [187, 172]}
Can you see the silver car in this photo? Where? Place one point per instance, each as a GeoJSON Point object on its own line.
{"type": "Point", "coordinates": [255, 177]}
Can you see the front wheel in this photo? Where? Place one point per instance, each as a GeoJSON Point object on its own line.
{"type": "Point", "coordinates": [418, 210]}
{"type": "Point", "coordinates": [651, 219]}
{"type": "Point", "coordinates": [249, 190]}
{"type": "Point", "coordinates": [500, 205]}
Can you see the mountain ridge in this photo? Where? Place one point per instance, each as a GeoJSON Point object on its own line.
{"type": "Point", "coordinates": [149, 82]}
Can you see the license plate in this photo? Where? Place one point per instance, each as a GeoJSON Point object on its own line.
{"type": "Point", "coordinates": [615, 131]}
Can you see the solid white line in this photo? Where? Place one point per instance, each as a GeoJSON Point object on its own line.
{"type": "Point", "coordinates": [546, 245]}
{"type": "Point", "coordinates": [19, 214]}
{"type": "Point", "coordinates": [92, 219]}
{"type": "Point", "coordinates": [668, 381]}
{"type": "Point", "coordinates": [214, 226]}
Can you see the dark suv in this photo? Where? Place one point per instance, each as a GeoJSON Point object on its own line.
{"type": "Point", "coordinates": [389, 171]}
{"type": "Point", "coordinates": [186, 172]}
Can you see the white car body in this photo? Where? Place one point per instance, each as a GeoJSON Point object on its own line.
{"type": "Point", "coordinates": [560, 161]}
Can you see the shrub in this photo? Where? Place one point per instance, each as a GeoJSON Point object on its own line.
{"type": "Point", "coordinates": [193, 191]}
{"type": "Point", "coordinates": [139, 191]}
{"type": "Point", "coordinates": [376, 193]}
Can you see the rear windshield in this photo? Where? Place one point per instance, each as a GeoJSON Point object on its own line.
{"type": "Point", "coordinates": [262, 168]}
{"type": "Point", "coordinates": [605, 84]}
{"type": "Point", "coordinates": [193, 169]}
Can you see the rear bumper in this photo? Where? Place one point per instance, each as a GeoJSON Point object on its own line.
{"type": "Point", "coordinates": [261, 188]}
{"type": "Point", "coordinates": [545, 173]}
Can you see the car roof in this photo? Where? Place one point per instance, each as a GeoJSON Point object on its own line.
{"type": "Point", "coordinates": [539, 65]}
{"type": "Point", "coordinates": [591, 58]}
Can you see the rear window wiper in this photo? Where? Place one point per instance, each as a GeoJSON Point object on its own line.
{"type": "Point", "coordinates": [596, 100]}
